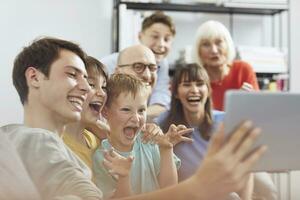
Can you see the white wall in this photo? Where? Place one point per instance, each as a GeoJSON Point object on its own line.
{"type": "Point", "coordinates": [86, 22]}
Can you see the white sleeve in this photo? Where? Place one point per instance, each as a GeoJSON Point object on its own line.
{"type": "Point", "coordinates": [161, 94]}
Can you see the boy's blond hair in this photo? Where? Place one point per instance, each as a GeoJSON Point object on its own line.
{"type": "Point", "coordinates": [123, 83]}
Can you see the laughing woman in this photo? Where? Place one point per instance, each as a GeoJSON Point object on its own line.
{"type": "Point", "coordinates": [83, 137]}
{"type": "Point", "coordinates": [191, 106]}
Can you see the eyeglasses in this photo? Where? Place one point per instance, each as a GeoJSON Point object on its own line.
{"type": "Point", "coordinates": [140, 67]}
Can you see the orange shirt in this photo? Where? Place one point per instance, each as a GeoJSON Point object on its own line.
{"type": "Point", "coordinates": [239, 73]}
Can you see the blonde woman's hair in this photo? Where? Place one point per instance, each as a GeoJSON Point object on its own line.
{"type": "Point", "coordinates": [210, 30]}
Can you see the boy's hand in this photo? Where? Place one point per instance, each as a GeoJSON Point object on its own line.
{"type": "Point", "coordinates": [117, 165]}
{"type": "Point", "coordinates": [151, 132]}
{"type": "Point", "coordinates": [154, 134]}
{"type": "Point", "coordinates": [175, 134]}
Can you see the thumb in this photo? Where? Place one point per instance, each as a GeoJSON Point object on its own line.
{"type": "Point", "coordinates": [172, 128]}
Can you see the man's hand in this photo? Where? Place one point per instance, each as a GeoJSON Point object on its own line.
{"type": "Point", "coordinates": [228, 163]}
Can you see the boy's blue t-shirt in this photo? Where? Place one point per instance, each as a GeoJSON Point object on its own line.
{"type": "Point", "coordinates": [144, 170]}
{"type": "Point", "coordinates": [191, 154]}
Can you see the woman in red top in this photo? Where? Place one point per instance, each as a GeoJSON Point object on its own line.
{"type": "Point", "coordinates": [214, 49]}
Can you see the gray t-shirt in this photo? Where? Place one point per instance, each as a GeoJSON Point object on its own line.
{"type": "Point", "coordinates": [55, 170]}
{"type": "Point", "coordinates": [14, 182]}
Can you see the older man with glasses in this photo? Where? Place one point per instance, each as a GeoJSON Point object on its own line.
{"type": "Point", "coordinates": [139, 60]}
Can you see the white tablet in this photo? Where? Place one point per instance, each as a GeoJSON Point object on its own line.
{"type": "Point", "coordinates": [278, 115]}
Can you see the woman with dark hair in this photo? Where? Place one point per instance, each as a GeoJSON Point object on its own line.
{"type": "Point", "coordinates": [191, 105]}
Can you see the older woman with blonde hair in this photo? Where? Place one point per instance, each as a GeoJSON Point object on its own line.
{"type": "Point", "coordinates": [215, 51]}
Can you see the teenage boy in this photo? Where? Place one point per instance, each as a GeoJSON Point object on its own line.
{"type": "Point", "coordinates": [157, 33]}
{"type": "Point", "coordinates": [50, 78]}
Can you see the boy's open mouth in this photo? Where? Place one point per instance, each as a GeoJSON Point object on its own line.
{"type": "Point", "coordinates": [130, 132]}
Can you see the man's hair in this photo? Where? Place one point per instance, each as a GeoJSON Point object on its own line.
{"type": "Point", "coordinates": [123, 83]}
{"type": "Point", "coordinates": [40, 54]}
{"type": "Point", "coordinates": [159, 17]}
{"type": "Point", "coordinates": [94, 65]}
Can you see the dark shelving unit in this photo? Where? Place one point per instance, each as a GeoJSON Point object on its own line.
{"type": "Point", "coordinates": [200, 7]}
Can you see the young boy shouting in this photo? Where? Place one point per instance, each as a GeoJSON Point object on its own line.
{"type": "Point", "coordinates": [154, 164]}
